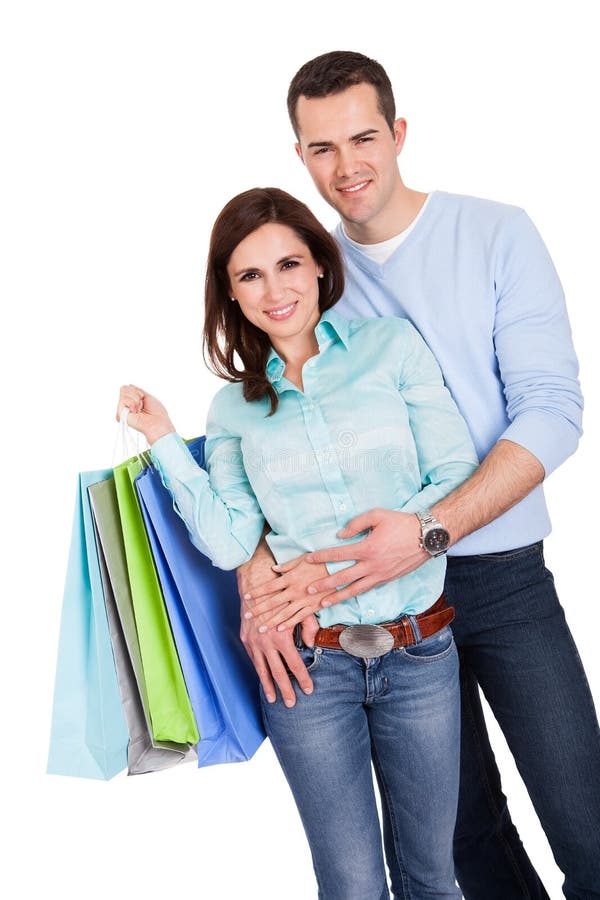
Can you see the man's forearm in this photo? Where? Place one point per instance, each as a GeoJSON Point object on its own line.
{"type": "Point", "coordinates": [507, 474]}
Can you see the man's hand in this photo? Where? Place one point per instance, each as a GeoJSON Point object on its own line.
{"type": "Point", "coordinates": [284, 601]}
{"type": "Point", "coordinates": [272, 651]}
{"type": "Point", "coordinates": [390, 550]}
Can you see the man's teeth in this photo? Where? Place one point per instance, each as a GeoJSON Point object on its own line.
{"type": "Point", "coordinates": [355, 187]}
{"type": "Point", "coordinates": [282, 312]}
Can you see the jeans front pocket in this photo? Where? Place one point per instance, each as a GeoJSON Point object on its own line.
{"type": "Point", "coordinates": [311, 657]}
{"type": "Point", "coordinates": [512, 555]}
{"type": "Point", "coordinates": [433, 648]}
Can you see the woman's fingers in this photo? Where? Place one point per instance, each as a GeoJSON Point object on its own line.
{"type": "Point", "coordinates": [267, 589]}
{"type": "Point", "coordinates": [132, 397]}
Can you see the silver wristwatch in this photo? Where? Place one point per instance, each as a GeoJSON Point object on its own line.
{"type": "Point", "coordinates": [434, 537]}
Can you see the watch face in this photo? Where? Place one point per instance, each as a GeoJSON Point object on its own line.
{"type": "Point", "coordinates": [436, 540]}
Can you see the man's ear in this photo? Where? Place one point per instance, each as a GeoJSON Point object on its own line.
{"type": "Point", "coordinates": [298, 150]}
{"type": "Point", "coordinates": [399, 134]}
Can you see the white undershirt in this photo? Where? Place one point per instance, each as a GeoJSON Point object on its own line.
{"type": "Point", "coordinates": [382, 251]}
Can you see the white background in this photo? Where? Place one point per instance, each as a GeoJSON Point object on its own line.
{"type": "Point", "coordinates": [126, 127]}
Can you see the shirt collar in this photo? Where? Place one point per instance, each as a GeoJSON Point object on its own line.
{"type": "Point", "coordinates": [332, 327]}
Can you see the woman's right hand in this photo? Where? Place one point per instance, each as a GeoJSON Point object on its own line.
{"type": "Point", "coordinates": [146, 414]}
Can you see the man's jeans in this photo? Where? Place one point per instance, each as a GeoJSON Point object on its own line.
{"type": "Point", "coordinates": [515, 643]}
{"type": "Point", "coordinates": [400, 712]}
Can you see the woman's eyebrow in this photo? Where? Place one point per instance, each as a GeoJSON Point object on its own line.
{"type": "Point", "coordinates": [278, 263]}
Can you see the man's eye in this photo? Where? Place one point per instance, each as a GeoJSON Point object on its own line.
{"type": "Point", "coordinates": [321, 150]}
{"type": "Point", "coordinates": [364, 140]}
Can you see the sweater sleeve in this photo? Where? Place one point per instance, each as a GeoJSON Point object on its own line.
{"type": "Point", "coordinates": [534, 348]}
{"type": "Point", "coordinates": [218, 506]}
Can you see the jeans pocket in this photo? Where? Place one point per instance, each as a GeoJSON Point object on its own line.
{"type": "Point", "coordinates": [433, 648]}
{"type": "Point", "coordinates": [311, 657]}
{"type": "Point", "coordinates": [511, 555]}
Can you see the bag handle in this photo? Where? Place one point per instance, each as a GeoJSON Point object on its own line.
{"type": "Point", "coordinates": [126, 445]}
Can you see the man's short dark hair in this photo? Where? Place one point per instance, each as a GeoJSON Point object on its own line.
{"type": "Point", "coordinates": [332, 73]}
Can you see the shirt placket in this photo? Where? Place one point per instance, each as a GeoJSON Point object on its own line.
{"type": "Point", "coordinates": [320, 439]}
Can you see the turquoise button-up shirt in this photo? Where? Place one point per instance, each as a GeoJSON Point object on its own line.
{"type": "Point", "coordinates": [374, 427]}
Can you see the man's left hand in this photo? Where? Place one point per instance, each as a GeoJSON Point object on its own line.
{"type": "Point", "coordinates": [390, 550]}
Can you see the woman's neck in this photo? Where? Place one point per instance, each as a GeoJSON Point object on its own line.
{"type": "Point", "coordinates": [295, 352]}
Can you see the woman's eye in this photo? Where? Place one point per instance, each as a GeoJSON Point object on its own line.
{"type": "Point", "coordinates": [290, 264]}
{"type": "Point", "coordinates": [249, 276]}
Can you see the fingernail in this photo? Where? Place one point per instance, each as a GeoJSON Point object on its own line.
{"type": "Point", "coordinates": [312, 590]}
{"type": "Point", "coordinates": [309, 558]}
{"type": "Point", "coordinates": [248, 615]}
{"type": "Point", "coordinates": [271, 698]}
{"type": "Point", "coordinates": [290, 703]}
{"type": "Point", "coordinates": [308, 690]}
{"type": "Point", "coordinates": [325, 603]}
{"type": "Point", "coordinates": [276, 568]}
{"type": "Point", "coordinates": [247, 596]}
{"type": "Point", "coordinates": [263, 628]}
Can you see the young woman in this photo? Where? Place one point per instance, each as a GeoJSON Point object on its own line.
{"type": "Point", "coordinates": [325, 418]}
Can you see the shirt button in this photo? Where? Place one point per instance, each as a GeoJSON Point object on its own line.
{"type": "Point", "coordinates": [311, 407]}
{"type": "Point", "coordinates": [311, 363]}
{"type": "Point", "coordinates": [371, 612]}
{"type": "Point", "coordinates": [342, 506]}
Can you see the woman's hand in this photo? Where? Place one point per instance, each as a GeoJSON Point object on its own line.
{"type": "Point", "coordinates": [146, 414]}
{"type": "Point", "coordinates": [264, 604]}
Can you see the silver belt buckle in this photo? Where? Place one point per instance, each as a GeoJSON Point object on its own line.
{"type": "Point", "coordinates": [366, 641]}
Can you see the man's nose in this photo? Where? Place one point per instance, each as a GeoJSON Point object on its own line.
{"type": "Point", "coordinates": [346, 162]}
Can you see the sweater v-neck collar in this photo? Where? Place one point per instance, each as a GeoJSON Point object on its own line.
{"type": "Point", "coordinates": [371, 266]}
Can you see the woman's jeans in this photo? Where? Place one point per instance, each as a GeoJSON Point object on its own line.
{"type": "Point", "coordinates": [399, 712]}
{"type": "Point", "coordinates": [515, 643]}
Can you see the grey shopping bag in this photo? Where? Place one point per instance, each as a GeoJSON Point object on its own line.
{"type": "Point", "coordinates": [144, 754]}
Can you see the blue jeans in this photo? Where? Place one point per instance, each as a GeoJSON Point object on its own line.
{"type": "Point", "coordinates": [399, 712]}
{"type": "Point", "coordinates": [514, 642]}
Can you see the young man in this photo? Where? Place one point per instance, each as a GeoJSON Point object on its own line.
{"type": "Point", "coordinates": [476, 280]}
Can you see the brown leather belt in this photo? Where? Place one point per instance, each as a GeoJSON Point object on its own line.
{"type": "Point", "coordinates": [375, 640]}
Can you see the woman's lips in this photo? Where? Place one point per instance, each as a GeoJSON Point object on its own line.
{"type": "Point", "coordinates": [282, 312]}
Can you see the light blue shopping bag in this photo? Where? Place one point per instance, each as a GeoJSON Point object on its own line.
{"type": "Point", "coordinates": [203, 606]}
{"type": "Point", "coordinates": [89, 734]}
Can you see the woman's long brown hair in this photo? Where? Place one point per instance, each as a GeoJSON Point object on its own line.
{"type": "Point", "coordinates": [227, 333]}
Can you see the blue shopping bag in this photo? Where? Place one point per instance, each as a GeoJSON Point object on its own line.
{"type": "Point", "coordinates": [202, 602]}
{"type": "Point", "coordinates": [88, 735]}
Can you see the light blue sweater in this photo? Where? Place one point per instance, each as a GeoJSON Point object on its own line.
{"type": "Point", "coordinates": [476, 280]}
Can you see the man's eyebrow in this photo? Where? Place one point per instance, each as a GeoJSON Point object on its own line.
{"type": "Point", "coordinates": [354, 137]}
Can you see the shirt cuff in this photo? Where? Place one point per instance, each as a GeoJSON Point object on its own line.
{"type": "Point", "coordinates": [173, 459]}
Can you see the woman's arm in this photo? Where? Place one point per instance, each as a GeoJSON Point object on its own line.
{"type": "Point", "coordinates": [218, 506]}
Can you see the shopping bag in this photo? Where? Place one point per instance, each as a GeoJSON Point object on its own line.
{"type": "Point", "coordinates": [88, 734]}
{"type": "Point", "coordinates": [203, 605]}
{"type": "Point", "coordinates": [143, 754]}
{"type": "Point", "coordinates": [171, 715]}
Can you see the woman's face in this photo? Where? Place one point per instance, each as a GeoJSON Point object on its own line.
{"type": "Point", "coordinates": [273, 277]}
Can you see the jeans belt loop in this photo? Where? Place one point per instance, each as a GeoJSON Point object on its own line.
{"type": "Point", "coordinates": [415, 629]}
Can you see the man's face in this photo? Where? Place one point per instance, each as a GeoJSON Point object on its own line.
{"type": "Point", "coordinates": [350, 152]}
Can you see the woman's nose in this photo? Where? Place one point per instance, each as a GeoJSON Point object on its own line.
{"type": "Point", "coordinates": [274, 289]}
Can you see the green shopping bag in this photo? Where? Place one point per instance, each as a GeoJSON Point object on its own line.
{"type": "Point", "coordinates": [171, 716]}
